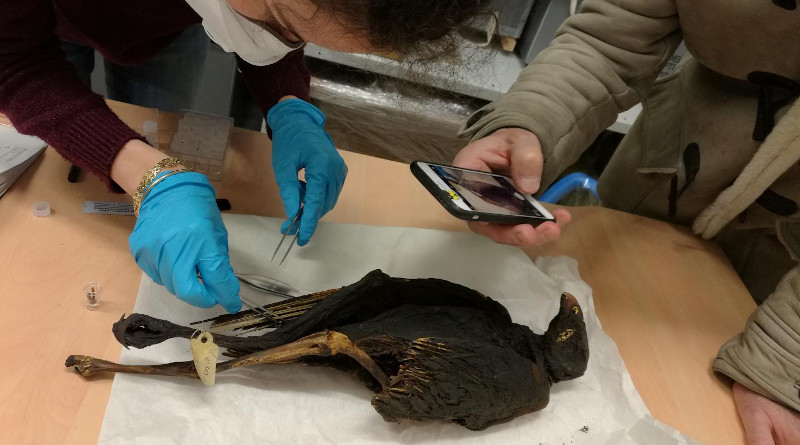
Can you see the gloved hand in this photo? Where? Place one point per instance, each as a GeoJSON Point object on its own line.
{"type": "Point", "coordinates": [299, 141]}
{"type": "Point", "coordinates": [179, 234]}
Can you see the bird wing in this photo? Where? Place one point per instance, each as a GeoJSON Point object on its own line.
{"type": "Point", "coordinates": [252, 320]}
{"type": "Point", "coordinates": [464, 380]}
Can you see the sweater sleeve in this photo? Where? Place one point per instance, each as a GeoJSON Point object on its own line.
{"type": "Point", "coordinates": [288, 76]}
{"type": "Point", "coordinates": [602, 61]}
{"type": "Point", "coordinates": [42, 95]}
{"type": "Point", "coordinates": [766, 356]}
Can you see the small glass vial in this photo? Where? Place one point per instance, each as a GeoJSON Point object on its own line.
{"type": "Point", "coordinates": [92, 292]}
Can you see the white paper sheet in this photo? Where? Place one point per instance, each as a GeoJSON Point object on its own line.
{"type": "Point", "coordinates": [17, 153]}
{"type": "Point", "coordinates": [293, 404]}
{"type": "Point", "coordinates": [16, 148]}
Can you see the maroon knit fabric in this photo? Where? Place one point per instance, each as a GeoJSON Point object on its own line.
{"type": "Point", "coordinates": [42, 95]}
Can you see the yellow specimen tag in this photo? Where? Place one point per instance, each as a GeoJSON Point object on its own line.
{"type": "Point", "coordinates": [205, 353]}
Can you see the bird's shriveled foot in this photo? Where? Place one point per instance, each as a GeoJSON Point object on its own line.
{"type": "Point", "coordinates": [83, 364]}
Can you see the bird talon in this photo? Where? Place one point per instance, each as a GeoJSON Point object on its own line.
{"type": "Point", "coordinates": [82, 364]}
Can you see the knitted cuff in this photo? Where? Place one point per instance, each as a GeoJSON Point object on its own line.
{"type": "Point", "coordinates": [92, 140]}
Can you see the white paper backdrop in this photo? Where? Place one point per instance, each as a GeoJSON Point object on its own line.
{"type": "Point", "coordinates": [293, 404]}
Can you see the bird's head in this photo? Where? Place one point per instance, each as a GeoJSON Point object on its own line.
{"type": "Point", "coordinates": [565, 344]}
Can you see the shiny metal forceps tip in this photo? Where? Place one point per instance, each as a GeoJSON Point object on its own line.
{"type": "Point", "coordinates": [264, 313]}
{"type": "Point", "coordinates": [295, 225]}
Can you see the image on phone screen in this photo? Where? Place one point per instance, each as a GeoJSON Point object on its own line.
{"type": "Point", "coordinates": [486, 192]}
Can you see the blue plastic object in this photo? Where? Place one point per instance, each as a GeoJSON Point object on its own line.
{"type": "Point", "coordinates": [299, 141]}
{"type": "Point", "coordinates": [180, 234]}
{"type": "Point", "coordinates": [572, 181]}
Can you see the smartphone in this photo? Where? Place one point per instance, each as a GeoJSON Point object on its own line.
{"type": "Point", "coordinates": [479, 196]}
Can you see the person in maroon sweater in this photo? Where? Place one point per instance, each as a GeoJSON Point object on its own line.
{"type": "Point", "coordinates": [179, 239]}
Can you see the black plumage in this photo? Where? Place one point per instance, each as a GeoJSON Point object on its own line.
{"type": "Point", "coordinates": [429, 348]}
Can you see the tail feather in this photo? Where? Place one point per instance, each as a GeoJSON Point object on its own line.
{"type": "Point", "coordinates": [250, 320]}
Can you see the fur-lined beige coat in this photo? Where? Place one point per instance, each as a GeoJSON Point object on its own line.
{"type": "Point", "coordinates": [717, 145]}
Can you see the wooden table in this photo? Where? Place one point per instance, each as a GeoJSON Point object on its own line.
{"type": "Point", "coordinates": [667, 298]}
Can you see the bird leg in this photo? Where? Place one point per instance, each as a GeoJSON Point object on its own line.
{"type": "Point", "coordinates": [321, 344]}
{"type": "Point", "coordinates": [89, 366]}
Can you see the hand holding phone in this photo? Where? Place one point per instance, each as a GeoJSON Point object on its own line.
{"type": "Point", "coordinates": [475, 195]}
{"type": "Point", "coordinates": [518, 152]}
{"type": "Point", "coordinates": [502, 228]}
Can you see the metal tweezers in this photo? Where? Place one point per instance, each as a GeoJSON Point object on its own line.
{"type": "Point", "coordinates": [295, 225]}
{"type": "Point", "coordinates": [264, 313]}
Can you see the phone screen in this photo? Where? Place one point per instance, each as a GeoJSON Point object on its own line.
{"type": "Point", "coordinates": [485, 192]}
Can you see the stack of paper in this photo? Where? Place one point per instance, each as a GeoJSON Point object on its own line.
{"type": "Point", "coordinates": [17, 152]}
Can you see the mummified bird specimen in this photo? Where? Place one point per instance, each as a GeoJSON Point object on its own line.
{"type": "Point", "coordinates": [430, 349]}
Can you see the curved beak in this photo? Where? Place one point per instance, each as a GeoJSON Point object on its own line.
{"type": "Point", "coordinates": [568, 301]}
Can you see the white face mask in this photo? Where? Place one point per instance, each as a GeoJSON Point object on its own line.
{"type": "Point", "coordinates": [235, 33]}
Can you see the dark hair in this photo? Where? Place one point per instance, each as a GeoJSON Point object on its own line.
{"type": "Point", "coordinates": [422, 28]}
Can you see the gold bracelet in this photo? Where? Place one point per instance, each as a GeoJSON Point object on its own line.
{"type": "Point", "coordinates": [146, 191]}
{"type": "Point", "coordinates": [149, 175]}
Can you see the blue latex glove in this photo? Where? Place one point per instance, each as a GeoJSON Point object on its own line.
{"type": "Point", "coordinates": [179, 234]}
{"type": "Point", "coordinates": [300, 142]}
